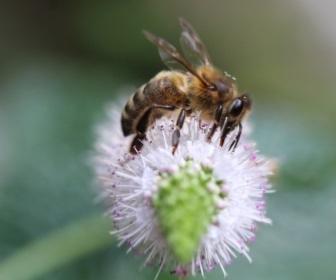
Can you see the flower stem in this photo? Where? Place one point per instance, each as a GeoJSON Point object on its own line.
{"type": "Point", "coordinates": [58, 248]}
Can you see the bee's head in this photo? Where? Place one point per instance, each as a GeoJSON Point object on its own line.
{"type": "Point", "coordinates": [232, 117]}
{"type": "Point", "coordinates": [222, 85]}
{"type": "Point", "coordinates": [239, 107]}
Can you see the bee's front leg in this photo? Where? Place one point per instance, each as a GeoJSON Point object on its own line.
{"type": "Point", "coordinates": [218, 115]}
{"type": "Point", "coordinates": [176, 133]}
{"type": "Point", "coordinates": [234, 143]}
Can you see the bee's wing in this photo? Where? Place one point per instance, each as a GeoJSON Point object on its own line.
{"type": "Point", "coordinates": [192, 45]}
{"type": "Point", "coordinates": [171, 57]}
{"type": "Point", "coordinates": [170, 61]}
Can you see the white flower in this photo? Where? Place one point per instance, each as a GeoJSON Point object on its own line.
{"type": "Point", "coordinates": [131, 186]}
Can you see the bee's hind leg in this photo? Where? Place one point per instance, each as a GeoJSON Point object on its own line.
{"type": "Point", "coordinates": [176, 133]}
{"type": "Point", "coordinates": [137, 143]}
{"type": "Point", "coordinates": [141, 128]}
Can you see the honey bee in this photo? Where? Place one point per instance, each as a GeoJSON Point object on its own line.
{"type": "Point", "coordinates": [191, 85]}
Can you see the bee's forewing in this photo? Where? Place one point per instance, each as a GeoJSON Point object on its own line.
{"type": "Point", "coordinates": [168, 53]}
{"type": "Point", "coordinates": [172, 57]}
{"type": "Point", "coordinates": [192, 45]}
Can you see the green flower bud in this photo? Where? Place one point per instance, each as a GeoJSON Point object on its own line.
{"type": "Point", "coordinates": [185, 204]}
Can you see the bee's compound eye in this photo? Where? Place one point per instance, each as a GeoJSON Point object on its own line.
{"type": "Point", "coordinates": [236, 107]}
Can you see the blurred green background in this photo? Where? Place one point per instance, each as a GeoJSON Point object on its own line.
{"type": "Point", "coordinates": [63, 61]}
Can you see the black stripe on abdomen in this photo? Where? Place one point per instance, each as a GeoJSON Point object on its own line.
{"type": "Point", "coordinates": [133, 108]}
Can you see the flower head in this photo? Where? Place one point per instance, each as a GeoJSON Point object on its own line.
{"type": "Point", "coordinates": [186, 212]}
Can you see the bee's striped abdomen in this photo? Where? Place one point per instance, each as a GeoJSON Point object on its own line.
{"type": "Point", "coordinates": [133, 109]}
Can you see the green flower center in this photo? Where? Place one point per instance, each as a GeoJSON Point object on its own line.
{"type": "Point", "coordinates": [185, 205]}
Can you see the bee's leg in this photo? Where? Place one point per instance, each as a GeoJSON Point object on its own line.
{"type": "Point", "coordinates": [137, 143]}
{"type": "Point", "coordinates": [218, 114]}
{"type": "Point", "coordinates": [142, 125]}
{"type": "Point", "coordinates": [176, 133]}
{"type": "Point", "coordinates": [141, 128]}
{"type": "Point", "coordinates": [226, 128]}
{"type": "Point", "coordinates": [212, 131]}
{"type": "Point", "coordinates": [234, 143]}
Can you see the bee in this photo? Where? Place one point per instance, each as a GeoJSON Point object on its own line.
{"type": "Point", "coordinates": [191, 85]}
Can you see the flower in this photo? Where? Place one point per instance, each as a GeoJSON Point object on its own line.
{"type": "Point", "coordinates": [188, 212]}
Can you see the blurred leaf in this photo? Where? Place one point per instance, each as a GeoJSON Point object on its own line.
{"type": "Point", "coordinates": [57, 249]}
